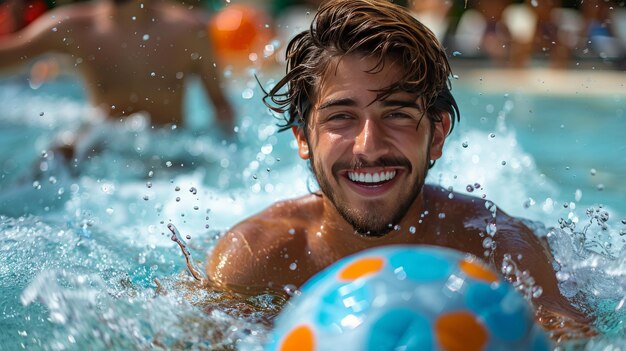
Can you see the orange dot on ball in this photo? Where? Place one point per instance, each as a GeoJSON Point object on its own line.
{"type": "Point", "coordinates": [300, 338]}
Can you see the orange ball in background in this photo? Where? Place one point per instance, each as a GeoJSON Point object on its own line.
{"type": "Point", "coordinates": [240, 34]}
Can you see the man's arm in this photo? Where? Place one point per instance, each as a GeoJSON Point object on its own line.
{"type": "Point", "coordinates": [520, 250]}
{"type": "Point", "coordinates": [211, 80]}
{"type": "Point", "coordinates": [43, 35]}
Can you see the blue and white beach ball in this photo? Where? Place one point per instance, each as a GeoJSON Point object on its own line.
{"type": "Point", "coordinates": [407, 298]}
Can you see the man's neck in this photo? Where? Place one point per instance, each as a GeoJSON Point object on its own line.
{"type": "Point", "coordinates": [337, 233]}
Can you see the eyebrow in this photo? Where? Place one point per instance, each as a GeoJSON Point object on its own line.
{"type": "Point", "coordinates": [401, 103]}
{"type": "Point", "coordinates": [337, 102]}
{"type": "Point", "coordinates": [385, 103]}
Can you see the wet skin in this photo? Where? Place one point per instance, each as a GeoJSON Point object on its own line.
{"type": "Point", "coordinates": [349, 134]}
{"type": "Point", "coordinates": [133, 56]}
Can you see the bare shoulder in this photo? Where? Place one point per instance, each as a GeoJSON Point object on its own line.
{"type": "Point", "coordinates": [75, 13]}
{"type": "Point", "coordinates": [448, 201]}
{"type": "Point", "coordinates": [243, 257]}
{"type": "Point", "coordinates": [64, 19]}
{"type": "Point", "coordinates": [174, 12]}
{"type": "Point", "coordinates": [516, 251]}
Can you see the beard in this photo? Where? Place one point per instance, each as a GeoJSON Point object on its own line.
{"type": "Point", "coordinates": [377, 220]}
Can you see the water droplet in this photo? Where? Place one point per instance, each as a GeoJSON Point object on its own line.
{"type": "Point", "coordinates": [168, 163]}
{"type": "Point", "coordinates": [52, 180]}
{"type": "Point", "coordinates": [291, 290]}
{"type": "Point", "coordinates": [293, 266]}
{"type": "Point", "coordinates": [476, 185]}
{"type": "Point", "coordinates": [292, 231]}
{"type": "Point", "coordinates": [578, 194]}
{"type": "Point", "coordinates": [537, 291]}
{"type": "Point", "coordinates": [492, 135]}
{"type": "Point", "coordinates": [109, 211]}
{"type": "Point", "coordinates": [465, 144]}
{"type": "Point", "coordinates": [178, 199]}
{"type": "Point", "coordinates": [153, 74]}
{"type": "Point", "coordinates": [442, 215]}
{"type": "Point", "coordinates": [487, 242]}
{"type": "Point", "coordinates": [593, 171]}
{"type": "Point", "coordinates": [188, 237]}
{"type": "Point", "coordinates": [624, 221]}
{"type": "Point", "coordinates": [149, 185]}
{"type": "Point", "coordinates": [193, 190]}
{"type": "Point", "coordinates": [40, 114]}
{"type": "Point", "coordinates": [469, 188]}
{"type": "Point", "coordinates": [456, 53]}
{"type": "Point", "coordinates": [146, 37]}
{"type": "Point", "coordinates": [534, 3]}
{"type": "Point", "coordinates": [196, 208]}
{"type": "Point", "coordinates": [247, 93]}
{"type": "Point", "coordinates": [146, 198]}
{"type": "Point", "coordinates": [504, 163]}
{"type": "Point", "coordinates": [491, 229]}
{"type": "Point", "coordinates": [150, 174]}
{"type": "Point", "coordinates": [600, 187]}
{"type": "Point", "coordinates": [177, 188]}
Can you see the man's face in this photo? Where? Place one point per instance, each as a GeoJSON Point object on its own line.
{"type": "Point", "coordinates": [370, 157]}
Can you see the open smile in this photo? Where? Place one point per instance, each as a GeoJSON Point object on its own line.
{"type": "Point", "coordinates": [375, 178]}
{"type": "Point", "coordinates": [371, 182]}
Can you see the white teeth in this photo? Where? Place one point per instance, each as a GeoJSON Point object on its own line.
{"type": "Point", "coordinates": [371, 177]}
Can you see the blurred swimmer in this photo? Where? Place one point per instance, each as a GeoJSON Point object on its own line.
{"type": "Point", "coordinates": [133, 55]}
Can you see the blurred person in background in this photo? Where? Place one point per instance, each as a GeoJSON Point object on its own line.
{"type": "Point", "coordinates": [482, 30]}
{"type": "Point", "coordinates": [497, 38]}
{"type": "Point", "coordinates": [434, 14]}
{"type": "Point", "coordinates": [546, 37]}
{"type": "Point", "coordinates": [600, 30]}
{"type": "Point", "coordinates": [133, 55]}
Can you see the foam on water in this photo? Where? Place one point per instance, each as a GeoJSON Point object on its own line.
{"type": "Point", "coordinates": [80, 254]}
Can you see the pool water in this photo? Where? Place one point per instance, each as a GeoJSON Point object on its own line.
{"type": "Point", "coordinates": [80, 255]}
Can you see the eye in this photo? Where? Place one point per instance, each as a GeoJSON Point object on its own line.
{"type": "Point", "coordinates": [338, 117]}
{"type": "Point", "coordinates": [399, 115]}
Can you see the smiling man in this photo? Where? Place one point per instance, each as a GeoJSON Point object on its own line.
{"type": "Point", "coordinates": [366, 95]}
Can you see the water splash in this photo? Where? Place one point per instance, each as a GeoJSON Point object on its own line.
{"type": "Point", "coordinates": [521, 280]}
{"type": "Point", "coordinates": [177, 238]}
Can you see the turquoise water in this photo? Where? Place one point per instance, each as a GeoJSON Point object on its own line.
{"type": "Point", "coordinates": [79, 255]}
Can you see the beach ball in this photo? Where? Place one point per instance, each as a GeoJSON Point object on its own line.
{"type": "Point", "coordinates": [412, 298]}
{"type": "Point", "coordinates": [240, 33]}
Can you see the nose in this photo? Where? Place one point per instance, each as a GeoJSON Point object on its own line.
{"type": "Point", "coordinates": [370, 142]}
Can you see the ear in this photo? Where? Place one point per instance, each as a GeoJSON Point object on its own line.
{"type": "Point", "coordinates": [303, 145]}
{"type": "Point", "coordinates": [440, 132]}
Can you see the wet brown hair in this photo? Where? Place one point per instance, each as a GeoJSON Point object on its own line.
{"type": "Point", "coordinates": [372, 28]}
